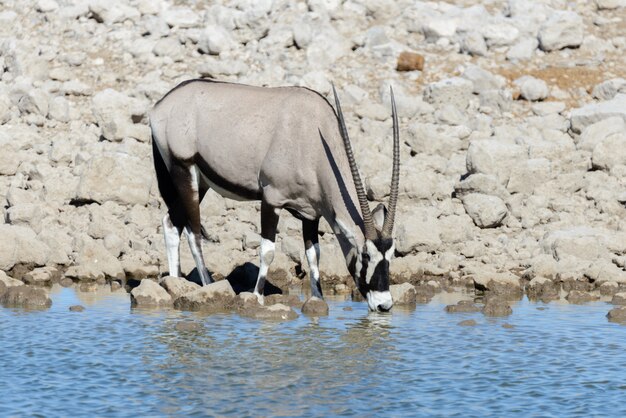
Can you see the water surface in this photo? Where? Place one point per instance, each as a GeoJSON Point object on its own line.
{"type": "Point", "coordinates": [111, 360]}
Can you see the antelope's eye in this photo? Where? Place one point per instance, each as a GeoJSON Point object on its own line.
{"type": "Point", "coordinates": [366, 256]}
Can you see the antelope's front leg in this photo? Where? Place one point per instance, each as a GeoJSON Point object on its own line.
{"type": "Point", "coordinates": [312, 252]}
{"type": "Point", "coordinates": [269, 223]}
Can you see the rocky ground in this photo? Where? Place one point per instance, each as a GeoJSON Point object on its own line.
{"type": "Point", "coordinates": [512, 114]}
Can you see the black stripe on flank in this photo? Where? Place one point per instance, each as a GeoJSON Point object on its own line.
{"type": "Point", "coordinates": [214, 177]}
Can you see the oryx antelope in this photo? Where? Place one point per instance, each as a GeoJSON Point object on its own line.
{"type": "Point", "coordinates": [286, 147]}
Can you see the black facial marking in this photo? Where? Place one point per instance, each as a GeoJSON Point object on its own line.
{"type": "Point", "coordinates": [380, 278]}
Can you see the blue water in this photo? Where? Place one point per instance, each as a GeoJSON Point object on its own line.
{"type": "Point", "coordinates": [110, 360]}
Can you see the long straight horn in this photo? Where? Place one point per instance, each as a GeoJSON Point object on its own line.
{"type": "Point", "coordinates": [395, 173]}
{"type": "Point", "coordinates": [368, 223]}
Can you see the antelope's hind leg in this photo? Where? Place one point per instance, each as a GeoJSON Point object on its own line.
{"type": "Point", "coordinates": [269, 223]}
{"type": "Point", "coordinates": [310, 235]}
{"type": "Point", "coordinates": [172, 244]}
{"type": "Point", "coordinates": [174, 220]}
{"type": "Point", "coordinates": [190, 193]}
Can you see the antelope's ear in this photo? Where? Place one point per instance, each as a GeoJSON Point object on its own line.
{"type": "Point", "coordinates": [379, 214]}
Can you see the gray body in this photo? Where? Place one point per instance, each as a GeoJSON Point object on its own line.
{"type": "Point", "coordinates": [282, 146]}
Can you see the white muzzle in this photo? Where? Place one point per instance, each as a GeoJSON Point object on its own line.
{"type": "Point", "coordinates": [379, 301]}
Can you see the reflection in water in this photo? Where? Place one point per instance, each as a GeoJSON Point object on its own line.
{"type": "Point", "coordinates": [113, 360]}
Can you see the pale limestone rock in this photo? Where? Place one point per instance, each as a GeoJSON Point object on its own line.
{"type": "Point", "coordinates": [149, 295]}
{"type": "Point", "coordinates": [403, 294]}
{"type": "Point", "coordinates": [178, 286]}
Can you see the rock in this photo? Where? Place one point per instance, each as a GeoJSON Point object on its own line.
{"type": "Point", "coordinates": [503, 284]}
{"type": "Point", "coordinates": [114, 112]}
{"type": "Point", "coordinates": [116, 177]}
{"type": "Point", "coordinates": [315, 306]}
{"type": "Point", "coordinates": [88, 286]}
{"type": "Point", "coordinates": [547, 108]}
{"type": "Point", "coordinates": [499, 34]}
{"type": "Point", "coordinates": [608, 288]}
{"type": "Point", "coordinates": [609, 88]}
{"type": "Point", "coordinates": [594, 134]}
{"type": "Point", "coordinates": [41, 276]}
{"type": "Point", "coordinates": [486, 211]}
{"type": "Point", "coordinates": [277, 312]}
{"type": "Point", "coordinates": [178, 286]}
{"type": "Point", "coordinates": [34, 102]}
{"type": "Point", "coordinates": [582, 243]}
{"type": "Point", "coordinates": [579, 297]}
{"type": "Point", "coordinates": [435, 28]}
{"type": "Point", "coordinates": [149, 295]}
{"type": "Point", "coordinates": [25, 297]}
{"type": "Point", "coordinates": [468, 323]}
{"type": "Point", "coordinates": [109, 12]}
{"type": "Point", "coordinates": [589, 114]}
{"type": "Point", "coordinates": [610, 152]}
{"type": "Point", "coordinates": [5, 110]}
{"type": "Point", "coordinates": [181, 17]}
{"type": "Point", "coordinates": [187, 326]}
{"type": "Point", "coordinates": [137, 268]}
{"type": "Point", "coordinates": [617, 315]}
{"type": "Point", "coordinates": [562, 29]}
{"type": "Point", "coordinates": [531, 88]}
{"type": "Point", "coordinates": [463, 306]}
{"type": "Point", "coordinates": [66, 282]}
{"type": "Point", "coordinates": [494, 156]}
{"type": "Point", "coordinates": [289, 300]}
{"type": "Point", "coordinates": [325, 48]}
{"type": "Point", "coordinates": [473, 43]}
{"type": "Point", "coordinates": [496, 307]}
{"type": "Point", "coordinates": [424, 293]}
{"type": "Point", "coordinates": [247, 301]}
{"type": "Point", "coordinates": [59, 109]}
{"type": "Point", "coordinates": [77, 308]}
{"type": "Point", "coordinates": [421, 234]}
{"type": "Point", "coordinates": [610, 4]}
{"type": "Point", "coordinates": [543, 289]}
{"type": "Point", "coordinates": [522, 50]}
{"type": "Point", "coordinates": [450, 115]}
{"type": "Point", "coordinates": [403, 294]}
{"type": "Point", "coordinates": [482, 80]}
{"type": "Point", "coordinates": [168, 47]}
{"type": "Point", "coordinates": [291, 247]}
{"type": "Point", "coordinates": [76, 88]}
{"type": "Point", "coordinates": [481, 183]}
{"type": "Point", "coordinates": [302, 34]}
{"type": "Point", "coordinates": [619, 299]}
{"type": "Point", "coordinates": [20, 245]}
{"type": "Point", "coordinates": [215, 40]}
{"type": "Point", "coordinates": [93, 261]}
{"type": "Point", "coordinates": [215, 297]}
{"type": "Point", "coordinates": [410, 61]}
{"type": "Point", "coordinates": [214, 68]}
{"type": "Point", "coordinates": [456, 91]}
{"type": "Point", "coordinates": [529, 174]}
{"type": "Point", "coordinates": [9, 281]}
{"type": "Point", "coordinates": [45, 6]}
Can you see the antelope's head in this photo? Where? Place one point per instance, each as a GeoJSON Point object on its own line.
{"type": "Point", "coordinates": [371, 270]}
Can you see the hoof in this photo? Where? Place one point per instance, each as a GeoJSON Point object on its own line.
{"type": "Point", "coordinates": [259, 298]}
